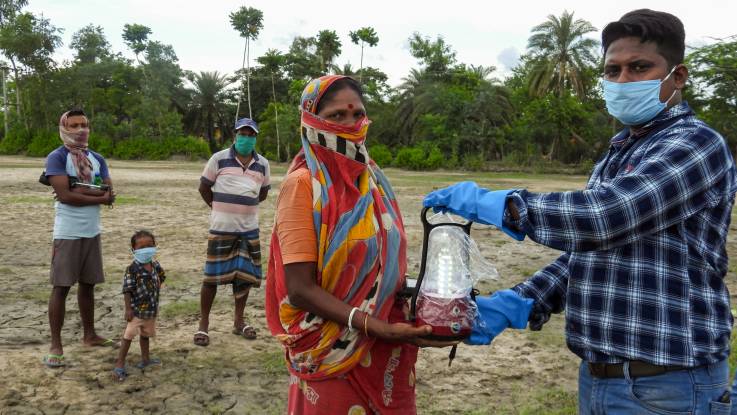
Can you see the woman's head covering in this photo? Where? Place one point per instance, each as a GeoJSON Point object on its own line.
{"type": "Point", "coordinates": [311, 96]}
{"type": "Point", "coordinates": [361, 244]}
{"type": "Point", "coordinates": [77, 142]}
{"type": "Point", "coordinates": [314, 90]}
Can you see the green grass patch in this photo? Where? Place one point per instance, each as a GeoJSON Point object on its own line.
{"type": "Point", "coordinates": [37, 296]}
{"type": "Point", "coordinates": [272, 363]}
{"type": "Point", "coordinates": [180, 308]}
{"type": "Point", "coordinates": [177, 279]}
{"type": "Point", "coordinates": [131, 200]}
{"type": "Point", "coordinates": [552, 336]}
{"type": "Point", "coordinates": [549, 402]}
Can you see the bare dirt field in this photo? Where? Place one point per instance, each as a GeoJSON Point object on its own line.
{"type": "Point", "coordinates": [521, 372]}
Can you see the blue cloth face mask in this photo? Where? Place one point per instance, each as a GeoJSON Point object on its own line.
{"type": "Point", "coordinates": [144, 255]}
{"type": "Point", "coordinates": [635, 103]}
{"type": "Point", "coordinates": [244, 144]}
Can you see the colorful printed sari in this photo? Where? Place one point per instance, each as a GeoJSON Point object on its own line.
{"type": "Point", "coordinates": [361, 261]}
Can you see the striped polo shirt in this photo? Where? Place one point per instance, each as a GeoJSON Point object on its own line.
{"type": "Point", "coordinates": [235, 190]}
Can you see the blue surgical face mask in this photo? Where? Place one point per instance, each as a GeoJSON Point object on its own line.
{"type": "Point", "coordinates": [635, 103]}
{"type": "Point", "coordinates": [244, 144]}
{"type": "Point", "coordinates": [144, 255]}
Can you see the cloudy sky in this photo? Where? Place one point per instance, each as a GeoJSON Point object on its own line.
{"type": "Point", "coordinates": [481, 32]}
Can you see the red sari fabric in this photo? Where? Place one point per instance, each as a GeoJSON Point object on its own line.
{"type": "Point", "coordinates": [382, 383]}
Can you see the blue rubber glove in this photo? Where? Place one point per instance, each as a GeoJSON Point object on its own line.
{"type": "Point", "coordinates": [474, 203]}
{"type": "Point", "coordinates": [502, 309]}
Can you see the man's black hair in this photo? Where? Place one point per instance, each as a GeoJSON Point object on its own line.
{"type": "Point", "coordinates": [76, 111]}
{"type": "Point", "coordinates": [336, 87]}
{"type": "Point", "coordinates": [140, 234]}
{"type": "Point", "coordinates": [648, 25]}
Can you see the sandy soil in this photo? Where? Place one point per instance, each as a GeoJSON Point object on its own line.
{"type": "Point", "coordinates": [232, 375]}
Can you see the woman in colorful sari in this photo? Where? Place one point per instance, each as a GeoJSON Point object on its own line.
{"type": "Point", "coordinates": [337, 262]}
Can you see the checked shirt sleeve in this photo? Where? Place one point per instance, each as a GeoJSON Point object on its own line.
{"type": "Point", "coordinates": [676, 178]}
{"type": "Point", "coordinates": [548, 288]}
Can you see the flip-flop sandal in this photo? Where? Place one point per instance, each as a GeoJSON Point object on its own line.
{"type": "Point", "coordinates": [201, 338]}
{"type": "Point", "coordinates": [54, 360]}
{"type": "Point", "coordinates": [151, 362]}
{"type": "Point", "coordinates": [247, 331]}
{"type": "Point", "coordinates": [119, 374]}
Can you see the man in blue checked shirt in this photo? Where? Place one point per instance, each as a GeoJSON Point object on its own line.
{"type": "Point", "coordinates": [641, 278]}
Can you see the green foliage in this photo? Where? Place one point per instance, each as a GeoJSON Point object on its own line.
{"type": "Point", "coordinates": [560, 55]}
{"type": "Point", "coordinates": [43, 143]}
{"type": "Point", "coordinates": [424, 156]}
{"type": "Point", "coordinates": [140, 148]}
{"type": "Point", "coordinates": [381, 155]}
{"type": "Point", "coordinates": [102, 145]}
{"type": "Point", "coordinates": [16, 141]}
{"type": "Point", "coordinates": [474, 162]}
{"type": "Point", "coordinates": [136, 37]}
{"type": "Point", "coordinates": [547, 116]}
{"type": "Point", "coordinates": [364, 35]}
{"type": "Point", "coordinates": [248, 21]}
{"type": "Point", "coordinates": [29, 40]}
{"type": "Point", "coordinates": [90, 44]}
{"type": "Point", "coordinates": [714, 75]}
{"type": "Point", "coordinates": [436, 56]}
{"type": "Point", "coordinates": [328, 47]}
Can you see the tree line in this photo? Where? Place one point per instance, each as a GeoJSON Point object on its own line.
{"type": "Point", "coordinates": [445, 113]}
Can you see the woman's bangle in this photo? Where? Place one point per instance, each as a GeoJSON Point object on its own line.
{"type": "Point", "coordinates": [350, 319]}
{"type": "Point", "coordinates": [365, 324]}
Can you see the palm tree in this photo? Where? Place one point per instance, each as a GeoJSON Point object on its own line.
{"type": "Point", "coordinates": [272, 62]}
{"type": "Point", "coordinates": [561, 55]}
{"type": "Point", "coordinates": [328, 48]}
{"type": "Point", "coordinates": [416, 97]}
{"type": "Point", "coordinates": [367, 36]}
{"type": "Point", "coordinates": [207, 107]}
{"type": "Point", "coordinates": [248, 22]}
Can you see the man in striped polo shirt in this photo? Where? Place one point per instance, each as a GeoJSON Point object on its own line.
{"type": "Point", "coordinates": [234, 182]}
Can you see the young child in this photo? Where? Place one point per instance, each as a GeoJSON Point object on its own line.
{"type": "Point", "coordinates": [141, 284]}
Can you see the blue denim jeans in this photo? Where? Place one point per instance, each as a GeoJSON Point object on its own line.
{"type": "Point", "coordinates": [694, 391]}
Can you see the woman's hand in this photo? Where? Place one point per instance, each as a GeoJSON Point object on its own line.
{"type": "Point", "coordinates": [405, 333]}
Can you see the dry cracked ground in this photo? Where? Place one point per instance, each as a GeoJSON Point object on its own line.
{"type": "Point", "coordinates": [521, 372]}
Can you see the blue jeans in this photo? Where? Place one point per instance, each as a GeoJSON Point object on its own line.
{"type": "Point", "coordinates": [734, 395]}
{"type": "Point", "coordinates": [694, 391]}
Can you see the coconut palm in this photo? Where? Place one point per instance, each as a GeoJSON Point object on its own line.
{"type": "Point", "coordinates": [561, 55]}
{"type": "Point", "coordinates": [248, 22]}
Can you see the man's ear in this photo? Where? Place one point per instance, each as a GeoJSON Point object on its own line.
{"type": "Point", "coordinates": [680, 76]}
